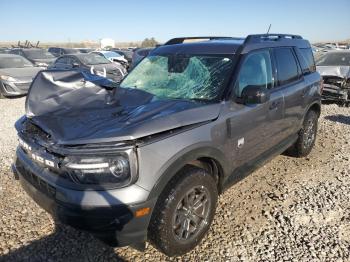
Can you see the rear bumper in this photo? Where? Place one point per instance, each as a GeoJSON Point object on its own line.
{"type": "Point", "coordinates": [115, 224]}
{"type": "Point", "coordinates": [13, 88]}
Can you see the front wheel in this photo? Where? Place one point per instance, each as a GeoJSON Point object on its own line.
{"type": "Point", "coordinates": [307, 136]}
{"type": "Point", "coordinates": [184, 212]}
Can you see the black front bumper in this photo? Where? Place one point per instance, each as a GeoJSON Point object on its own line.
{"type": "Point", "coordinates": [115, 225]}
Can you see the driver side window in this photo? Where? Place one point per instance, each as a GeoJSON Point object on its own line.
{"type": "Point", "coordinates": [256, 70]}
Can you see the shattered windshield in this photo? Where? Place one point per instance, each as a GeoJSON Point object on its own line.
{"type": "Point", "coordinates": [334, 59]}
{"type": "Point", "coordinates": [199, 77]}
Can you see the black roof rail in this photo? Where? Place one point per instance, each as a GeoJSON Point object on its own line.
{"type": "Point", "coordinates": [180, 40]}
{"type": "Point", "coordinates": [270, 37]}
{"type": "Point", "coordinates": [271, 40]}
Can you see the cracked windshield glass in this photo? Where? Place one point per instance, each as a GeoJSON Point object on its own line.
{"type": "Point", "coordinates": [181, 76]}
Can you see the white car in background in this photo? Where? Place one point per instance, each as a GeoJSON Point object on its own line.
{"type": "Point", "coordinates": [113, 57]}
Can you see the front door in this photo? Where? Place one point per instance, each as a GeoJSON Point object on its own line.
{"type": "Point", "coordinates": [252, 126]}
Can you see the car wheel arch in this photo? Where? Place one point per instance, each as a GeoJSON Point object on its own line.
{"type": "Point", "coordinates": [315, 107]}
{"type": "Point", "coordinates": [208, 158]}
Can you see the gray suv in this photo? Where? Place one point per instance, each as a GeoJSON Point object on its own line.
{"type": "Point", "coordinates": [146, 159]}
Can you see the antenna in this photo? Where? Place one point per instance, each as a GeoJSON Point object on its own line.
{"type": "Point", "coordinates": [268, 30]}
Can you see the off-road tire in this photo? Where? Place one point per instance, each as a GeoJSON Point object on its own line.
{"type": "Point", "coordinates": [306, 136]}
{"type": "Point", "coordinates": [162, 233]}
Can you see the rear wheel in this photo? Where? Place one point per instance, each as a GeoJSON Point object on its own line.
{"type": "Point", "coordinates": [184, 212]}
{"type": "Point", "coordinates": [307, 136]}
{"type": "Point", "coordinates": [1, 95]}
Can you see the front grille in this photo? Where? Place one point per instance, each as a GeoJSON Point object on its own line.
{"type": "Point", "coordinates": [35, 181]}
{"type": "Point", "coordinates": [332, 92]}
{"type": "Point", "coordinates": [333, 80]}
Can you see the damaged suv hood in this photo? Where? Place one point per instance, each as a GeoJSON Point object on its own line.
{"type": "Point", "coordinates": [79, 108]}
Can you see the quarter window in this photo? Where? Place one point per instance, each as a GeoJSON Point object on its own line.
{"type": "Point", "coordinates": [287, 67]}
{"type": "Point", "coordinates": [256, 71]}
{"type": "Point", "coordinates": [306, 60]}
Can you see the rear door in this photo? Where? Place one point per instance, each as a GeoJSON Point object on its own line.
{"type": "Point", "coordinates": [291, 83]}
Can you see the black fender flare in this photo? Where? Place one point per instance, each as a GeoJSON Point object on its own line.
{"type": "Point", "coordinates": [307, 109]}
{"type": "Point", "coordinates": [316, 103]}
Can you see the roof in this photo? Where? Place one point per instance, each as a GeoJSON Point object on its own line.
{"type": "Point", "coordinates": [229, 45]}
{"type": "Point", "coordinates": [203, 47]}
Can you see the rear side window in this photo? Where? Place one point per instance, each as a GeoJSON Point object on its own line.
{"type": "Point", "coordinates": [309, 60]}
{"type": "Point", "coordinates": [287, 67]}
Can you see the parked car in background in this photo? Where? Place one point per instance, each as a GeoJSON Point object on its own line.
{"type": "Point", "coordinates": [189, 121]}
{"type": "Point", "coordinates": [4, 50]}
{"type": "Point", "coordinates": [38, 56]}
{"type": "Point", "coordinates": [16, 75]}
{"type": "Point", "coordinates": [334, 67]}
{"type": "Point", "coordinates": [125, 52]}
{"type": "Point", "coordinates": [113, 57]}
{"type": "Point", "coordinates": [58, 51]}
{"type": "Point", "coordinates": [85, 50]}
{"type": "Point", "coordinates": [139, 54]}
{"type": "Point", "coordinates": [93, 63]}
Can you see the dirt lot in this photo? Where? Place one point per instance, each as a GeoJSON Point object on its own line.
{"type": "Point", "coordinates": [289, 210]}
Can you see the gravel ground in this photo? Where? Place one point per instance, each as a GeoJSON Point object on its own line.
{"type": "Point", "coordinates": [289, 210]}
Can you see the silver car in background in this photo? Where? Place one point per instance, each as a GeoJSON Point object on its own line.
{"type": "Point", "coordinates": [16, 75]}
{"type": "Point", "coordinates": [334, 67]}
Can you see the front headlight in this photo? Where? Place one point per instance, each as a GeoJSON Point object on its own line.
{"type": "Point", "coordinates": [99, 170]}
{"type": "Point", "coordinates": [8, 78]}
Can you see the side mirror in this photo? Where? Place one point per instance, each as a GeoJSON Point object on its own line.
{"type": "Point", "coordinates": [75, 65]}
{"type": "Point", "coordinates": [255, 95]}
